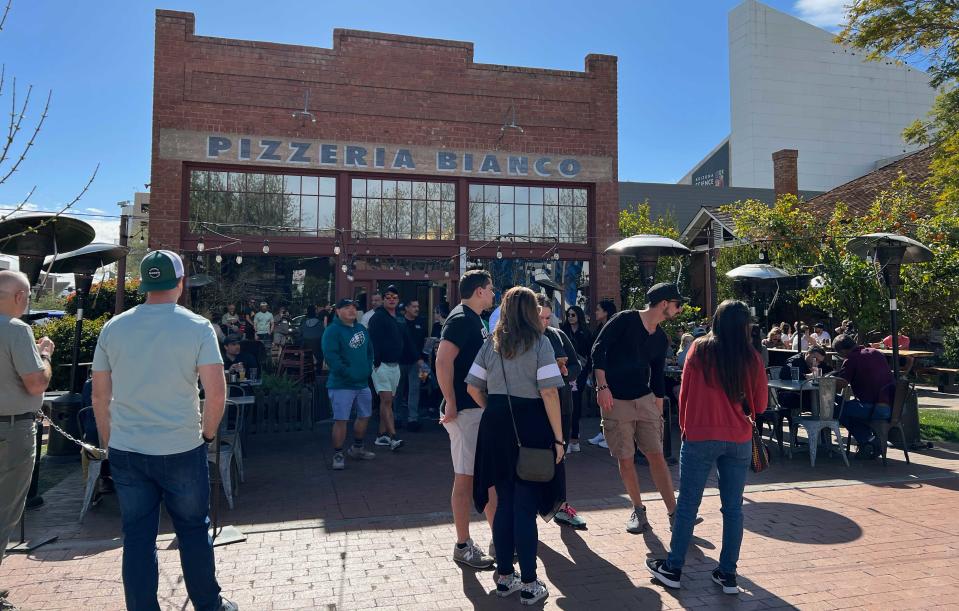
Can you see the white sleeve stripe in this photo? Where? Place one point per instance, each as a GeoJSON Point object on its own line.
{"type": "Point", "coordinates": [477, 371]}
{"type": "Point", "coordinates": [548, 371]}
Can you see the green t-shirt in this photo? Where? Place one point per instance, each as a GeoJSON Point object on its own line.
{"type": "Point", "coordinates": [153, 352]}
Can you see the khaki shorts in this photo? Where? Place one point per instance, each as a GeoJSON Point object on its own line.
{"type": "Point", "coordinates": [386, 377]}
{"type": "Point", "coordinates": [633, 424]}
{"type": "Point", "coordinates": [463, 431]}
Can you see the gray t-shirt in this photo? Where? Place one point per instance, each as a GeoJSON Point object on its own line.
{"type": "Point", "coordinates": [18, 357]}
{"type": "Point", "coordinates": [527, 373]}
{"type": "Point", "coordinates": [153, 352]}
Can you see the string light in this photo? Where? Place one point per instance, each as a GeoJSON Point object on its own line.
{"type": "Point", "coordinates": [499, 253]}
{"type": "Point", "coordinates": [344, 268]}
{"type": "Point", "coordinates": [199, 245]}
{"type": "Point", "coordinates": [336, 248]}
{"type": "Point", "coordinates": [239, 259]}
{"type": "Point", "coordinates": [219, 258]}
{"type": "Point", "coordinates": [266, 247]}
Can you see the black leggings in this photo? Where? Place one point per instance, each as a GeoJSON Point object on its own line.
{"type": "Point", "coordinates": [577, 412]}
{"type": "Point", "coordinates": [514, 527]}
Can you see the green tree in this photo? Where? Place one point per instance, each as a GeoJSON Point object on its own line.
{"type": "Point", "coordinates": [102, 299]}
{"type": "Point", "coordinates": [851, 287]}
{"type": "Point", "coordinates": [926, 31]}
{"type": "Point", "coordinates": [635, 219]}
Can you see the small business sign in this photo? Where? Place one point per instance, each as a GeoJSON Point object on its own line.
{"type": "Point", "coordinates": [301, 152]}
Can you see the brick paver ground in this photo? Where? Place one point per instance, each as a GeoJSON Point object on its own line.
{"type": "Point", "coordinates": [379, 535]}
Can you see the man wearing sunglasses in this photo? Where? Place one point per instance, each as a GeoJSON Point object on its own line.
{"type": "Point", "coordinates": [629, 360]}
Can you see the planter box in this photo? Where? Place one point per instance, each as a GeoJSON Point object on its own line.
{"type": "Point", "coordinates": [281, 412]}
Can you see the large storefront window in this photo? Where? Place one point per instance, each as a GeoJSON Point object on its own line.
{"type": "Point", "coordinates": [403, 209]}
{"type": "Point", "coordinates": [262, 204]}
{"type": "Point", "coordinates": [536, 213]}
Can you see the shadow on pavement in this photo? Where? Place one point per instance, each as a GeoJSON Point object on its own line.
{"type": "Point", "coordinates": [799, 523]}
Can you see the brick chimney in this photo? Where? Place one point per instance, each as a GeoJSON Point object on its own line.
{"type": "Point", "coordinates": [786, 172]}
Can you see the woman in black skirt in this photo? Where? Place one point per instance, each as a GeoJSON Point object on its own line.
{"type": "Point", "coordinates": [515, 378]}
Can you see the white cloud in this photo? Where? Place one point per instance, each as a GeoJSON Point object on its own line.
{"type": "Point", "coordinates": [828, 14]}
{"type": "Point", "coordinates": [94, 210]}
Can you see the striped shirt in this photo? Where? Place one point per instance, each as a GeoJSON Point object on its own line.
{"type": "Point", "coordinates": [528, 373]}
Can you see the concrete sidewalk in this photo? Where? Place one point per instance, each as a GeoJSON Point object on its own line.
{"type": "Point", "coordinates": [379, 535]}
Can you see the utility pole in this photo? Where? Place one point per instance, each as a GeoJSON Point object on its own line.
{"type": "Point", "coordinates": [122, 262]}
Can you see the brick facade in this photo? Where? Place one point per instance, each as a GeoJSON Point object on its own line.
{"type": "Point", "coordinates": [385, 88]}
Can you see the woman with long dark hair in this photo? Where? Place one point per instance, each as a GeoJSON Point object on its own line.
{"type": "Point", "coordinates": [723, 380]}
{"type": "Point", "coordinates": [515, 378]}
{"type": "Point", "coordinates": [574, 326]}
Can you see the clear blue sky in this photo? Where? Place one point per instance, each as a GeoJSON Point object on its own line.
{"type": "Point", "coordinates": [97, 57]}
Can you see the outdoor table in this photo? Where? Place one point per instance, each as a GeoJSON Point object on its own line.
{"type": "Point", "coordinates": [916, 354]}
{"type": "Point", "coordinates": [779, 356]}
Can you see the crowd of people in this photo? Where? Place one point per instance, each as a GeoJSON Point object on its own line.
{"type": "Point", "coordinates": [512, 397]}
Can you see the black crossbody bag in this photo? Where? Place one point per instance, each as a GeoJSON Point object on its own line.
{"type": "Point", "coordinates": [532, 464]}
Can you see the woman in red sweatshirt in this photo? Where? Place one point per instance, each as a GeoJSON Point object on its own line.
{"type": "Point", "coordinates": [723, 379]}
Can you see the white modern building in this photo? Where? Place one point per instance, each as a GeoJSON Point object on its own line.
{"type": "Point", "coordinates": [792, 87]}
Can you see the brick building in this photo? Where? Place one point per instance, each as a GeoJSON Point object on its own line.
{"type": "Point", "coordinates": [386, 158]}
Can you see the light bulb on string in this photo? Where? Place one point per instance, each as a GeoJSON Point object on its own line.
{"type": "Point", "coordinates": [712, 262]}
{"type": "Point", "coordinates": [219, 258]}
{"type": "Point", "coordinates": [239, 259]}
{"type": "Point", "coordinates": [349, 277]}
{"type": "Point", "coordinates": [407, 272]}
{"type": "Point", "coordinates": [344, 268]}
{"type": "Point", "coordinates": [499, 253]}
{"type": "Point", "coordinates": [266, 247]}
{"type": "Point", "coordinates": [446, 274]}
{"type": "Point", "coordinates": [556, 256]}
{"type": "Point", "coordinates": [200, 245]}
{"type": "Point", "coordinates": [141, 238]}
{"type": "Point", "coordinates": [336, 249]}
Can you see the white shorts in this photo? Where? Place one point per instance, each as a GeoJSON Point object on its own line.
{"type": "Point", "coordinates": [463, 433]}
{"type": "Point", "coordinates": [386, 377]}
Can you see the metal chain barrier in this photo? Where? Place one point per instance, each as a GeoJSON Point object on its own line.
{"type": "Point", "coordinates": [98, 453]}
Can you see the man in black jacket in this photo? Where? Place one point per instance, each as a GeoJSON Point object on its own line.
{"type": "Point", "coordinates": [389, 344]}
{"type": "Point", "coordinates": [412, 363]}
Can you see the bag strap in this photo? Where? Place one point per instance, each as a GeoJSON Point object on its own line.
{"type": "Point", "coordinates": [509, 401]}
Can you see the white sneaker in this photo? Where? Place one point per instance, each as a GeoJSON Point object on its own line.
{"type": "Point", "coordinates": [597, 439]}
{"type": "Point", "coordinates": [360, 453]}
{"type": "Point", "coordinates": [382, 440]}
{"type": "Point", "coordinates": [339, 463]}
{"type": "Point", "coordinates": [507, 584]}
{"type": "Point", "coordinates": [396, 444]}
{"type": "Point", "coordinates": [532, 593]}
{"type": "Point", "coordinates": [603, 444]}
{"type": "Point", "coordinates": [574, 447]}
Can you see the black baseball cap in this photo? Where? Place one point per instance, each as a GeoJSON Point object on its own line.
{"type": "Point", "coordinates": [231, 339]}
{"type": "Point", "coordinates": [664, 291]}
{"type": "Point", "coordinates": [819, 325]}
{"type": "Point", "coordinates": [346, 301]}
{"type": "Point", "coordinates": [392, 289]}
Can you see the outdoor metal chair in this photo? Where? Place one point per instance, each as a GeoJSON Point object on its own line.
{"type": "Point", "coordinates": [226, 458]}
{"type": "Point", "coordinates": [94, 466]}
{"type": "Point", "coordinates": [882, 428]}
{"type": "Point", "coordinates": [235, 435]}
{"type": "Point", "coordinates": [775, 412]}
{"type": "Point", "coordinates": [822, 419]}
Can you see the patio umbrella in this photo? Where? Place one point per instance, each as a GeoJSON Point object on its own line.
{"type": "Point", "coordinates": [890, 251]}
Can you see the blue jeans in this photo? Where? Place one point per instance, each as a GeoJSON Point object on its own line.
{"type": "Point", "coordinates": [408, 394]}
{"type": "Point", "coordinates": [182, 481]}
{"type": "Point", "coordinates": [696, 461]}
{"type": "Point", "coordinates": [855, 414]}
{"type": "Point", "coordinates": [514, 527]}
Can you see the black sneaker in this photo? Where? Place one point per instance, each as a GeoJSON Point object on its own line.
{"type": "Point", "coordinates": [664, 575]}
{"type": "Point", "coordinates": [728, 582]}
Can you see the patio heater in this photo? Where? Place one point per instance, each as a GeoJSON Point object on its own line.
{"type": "Point", "coordinates": [647, 249]}
{"type": "Point", "coordinates": [890, 251]}
{"type": "Point", "coordinates": [32, 237]}
{"type": "Point", "coordinates": [761, 282]}
{"type": "Point", "coordinates": [83, 263]}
